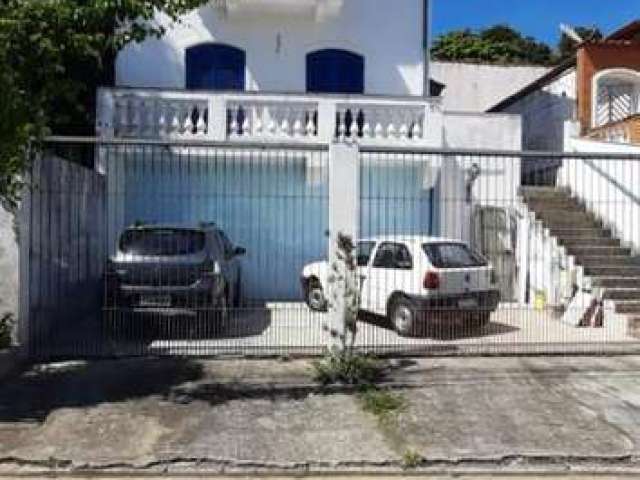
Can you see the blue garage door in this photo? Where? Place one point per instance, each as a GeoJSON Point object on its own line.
{"type": "Point", "coordinates": [335, 71]}
{"type": "Point", "coordinates": [214, 66]}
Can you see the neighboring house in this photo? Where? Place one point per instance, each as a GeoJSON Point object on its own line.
{"type": "Point", "coordinates": [476, 87]}
{"type": "Point", "coordinates": [591, 104]}
{"type": "Point", "coordinates": [598, 88]}
{"type": "Point", "coordinates": [299, 72]}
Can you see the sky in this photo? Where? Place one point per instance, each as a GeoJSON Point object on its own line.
{"type": "Point", "coordinates": [537, 18]}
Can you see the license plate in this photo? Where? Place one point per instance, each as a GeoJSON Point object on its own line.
{"type": "Point", "coordinates": [155, 301]}
{"type": "Point", "coordinates": [468, 303]}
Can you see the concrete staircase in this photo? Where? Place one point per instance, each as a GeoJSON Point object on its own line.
{"type": "Point", "coordinates": [610, 266]}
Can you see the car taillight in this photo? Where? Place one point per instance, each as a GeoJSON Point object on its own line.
{"type": "Point", "coordinates": [431, 281]}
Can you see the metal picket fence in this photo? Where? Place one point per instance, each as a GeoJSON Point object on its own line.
{"type": "Point", "coordinates": [156, 248]}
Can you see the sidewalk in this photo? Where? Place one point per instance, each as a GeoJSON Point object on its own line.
{"type": "Point", "coordinates": [511, 414]}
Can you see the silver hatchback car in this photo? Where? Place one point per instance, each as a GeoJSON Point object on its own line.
{"type": "Point", "coordinates": [170, 269]}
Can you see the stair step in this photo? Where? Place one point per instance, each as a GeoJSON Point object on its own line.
{"type": "Point", "coordinates": [615, 282]}
{"type": "Point", "coordinates": [566, 216]}
{"type": "Point", "coordinates": [569, 233]}
{"type": "Point", "coordinates": [614, 271]}
{"type": "Point", "coordinates": [540, 205]}
{"type": "Point", "coordinates": [627, 308]}
{"type": "Point", "coordinates": [607, 260]}
{"type": "Point", "coordinates": [622, 294]}
{"type": "Point", "coordinates": [545, 193]}
{"type": "Point", "coordinates": [587, 242]}
{"type": "Point", "coordinates": [598, 251]}
{"type": "Point", "coordinates": [566, 225]}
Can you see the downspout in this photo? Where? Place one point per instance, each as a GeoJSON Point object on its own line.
{"type": "Point", "coordinates": [426, 48]}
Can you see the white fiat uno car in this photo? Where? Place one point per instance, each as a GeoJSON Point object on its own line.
{"type": "Point", "coordinates": [416, 282]}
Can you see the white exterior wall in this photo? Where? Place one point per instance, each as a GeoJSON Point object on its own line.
{"type": "Point", "coordinates": [545, 111]}
{"type": "Point", "coordinates": [387, 34]}
{"type": "Point", "coordinates": [477, 88]}
{"type": "Point", "coordinates": [609, 188]}
{"type": "Point", "coordinates": [499, 177]}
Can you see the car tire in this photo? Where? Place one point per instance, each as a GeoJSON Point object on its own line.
{"type": "Point", "coordinates": [315, 298]}
{"type": "Point", "coordinates": [482, 319]}
{"type": "Point", "coordinates": [237, 298]}
{"type": "Point", "coordinates": [404, 316]}
{"type": "Point", "coordinates": [212, 320]}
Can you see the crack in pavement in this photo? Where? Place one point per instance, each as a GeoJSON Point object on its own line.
{"type": "Point", "coordinates": [562, 462]}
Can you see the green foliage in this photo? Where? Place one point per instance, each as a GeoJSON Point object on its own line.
{"type": "Point", "coordinates": [53, 55]}
{"type": "Point", "coordinates": [500, 44]}
{"type": "Point", "coordinates": [6, 330]}
{"type": "Point", "coordinates": [340, 366]}
{"type": "Point", "coordinates": [411, 459]}
{"type": "Point", "coordinates": [381, 403]}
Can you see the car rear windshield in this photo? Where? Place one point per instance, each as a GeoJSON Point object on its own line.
{"type": "Point", "coordinates": [162, 242]}
{"type": "Point", "coordinates": [452, 255]}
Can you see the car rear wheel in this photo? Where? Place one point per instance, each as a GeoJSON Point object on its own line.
{"type": "Point", "coordinates": [212, 319]}
{"type": "Point", "coordinates": [482, 319]}
{"type": "Point", "coordinates": [315, 296]}
{"type": "Point", "coordinates": [404, 316]}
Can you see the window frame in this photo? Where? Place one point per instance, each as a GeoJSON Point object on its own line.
{"type": "Point", "coordinates": [333, 61]}
{"type": "Point", "coordinates": [217, 51]}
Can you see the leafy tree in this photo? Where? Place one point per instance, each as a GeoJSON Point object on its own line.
{"type": "Point", "coordinates": [53, 55]}
{"type": "Point", "coordinates": [500, 44]}
{"type": "Point", "coordinates": [567, 46]}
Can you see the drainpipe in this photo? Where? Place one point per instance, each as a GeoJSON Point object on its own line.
{"type": "Point", "coordinates": [426, 47]}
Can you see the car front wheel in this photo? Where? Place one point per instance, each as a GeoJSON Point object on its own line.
{"type": "Point", "coordinates": [403, 315]}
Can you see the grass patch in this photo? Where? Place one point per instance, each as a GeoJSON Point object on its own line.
{"type": "Point", "coordinates": [411, 459]}
{"type": "Point", "coordinates": [381, 403]}
{"type": "Point", "coordinates": [6, 330]}
{"type": "Point", "coordinates": [347, 369]}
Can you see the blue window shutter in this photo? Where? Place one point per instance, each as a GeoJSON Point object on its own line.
{"type": "Point", "coordinates": [335, 71]}
{"type": "Point", "coordinates": [215, 66]}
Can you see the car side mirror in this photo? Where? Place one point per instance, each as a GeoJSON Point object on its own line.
{"type": "Point", "coordinates": [240, 251]}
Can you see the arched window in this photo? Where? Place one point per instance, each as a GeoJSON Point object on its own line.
{"type": "Point", "coordinates": [616, 95]}
{"type": "Point", "coordinates": [215, 66]}
{"type": "Point", "coordinates": [335, 71]}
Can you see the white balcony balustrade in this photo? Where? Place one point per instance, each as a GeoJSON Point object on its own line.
{"type": "Point", "coordinates": [204, 116]}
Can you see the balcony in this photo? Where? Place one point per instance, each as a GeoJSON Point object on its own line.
{"type": "Point", "coordinates": [626, 130]}
{"type": "Point", "coordinates": [262, 117]}
{"type": "Point", "coordinates": [311, 9]}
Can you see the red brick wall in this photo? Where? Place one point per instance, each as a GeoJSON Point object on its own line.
{"type": "Point", "coordinates": [593, 58]}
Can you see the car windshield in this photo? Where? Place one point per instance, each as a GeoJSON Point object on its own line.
{"type": "Point", "coordinates": [161, 241]}
{"type": "Point", "coordinates": [452, 255]}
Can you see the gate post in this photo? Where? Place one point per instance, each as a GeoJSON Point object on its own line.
{"type": "Point", "coordinates": [344, 218]}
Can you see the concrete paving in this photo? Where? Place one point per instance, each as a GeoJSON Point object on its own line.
{"type": "Point", "coordinates": [236, 415]}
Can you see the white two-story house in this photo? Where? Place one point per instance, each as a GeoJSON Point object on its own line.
{"type": "Point", "coordinates": [296, 72]}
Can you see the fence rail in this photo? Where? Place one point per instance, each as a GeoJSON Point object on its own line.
{"type": "Point", "coordinates": [200, 248]}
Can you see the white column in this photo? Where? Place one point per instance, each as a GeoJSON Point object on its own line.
{"type": "Point", "coordinates": [326, 120]}
{"type": "Point", "coordinates": [217, 129]}
{"type": "Point", "coordinates": [344, 218]}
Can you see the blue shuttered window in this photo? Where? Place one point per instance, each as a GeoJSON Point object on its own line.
{"type": "Point", "coordinates": [335, 71]}
{"type": "Point", "coordinates": [215, 66]}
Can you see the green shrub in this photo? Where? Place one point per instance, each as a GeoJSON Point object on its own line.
{"type": "Point", "coordinates": [381, 403]}
{"type": "Point", "coordinates": [411, 459]}
{"type": "Point", "coordinates": [340, 367]}
{"type": "Point", "coordinates": [6, 330]}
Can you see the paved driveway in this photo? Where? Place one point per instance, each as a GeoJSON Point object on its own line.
{"type": "Point", "coordinates": [293, 328]}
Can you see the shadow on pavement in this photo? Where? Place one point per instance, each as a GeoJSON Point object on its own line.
{"type": "Point", "coordinates": [33, 395]}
